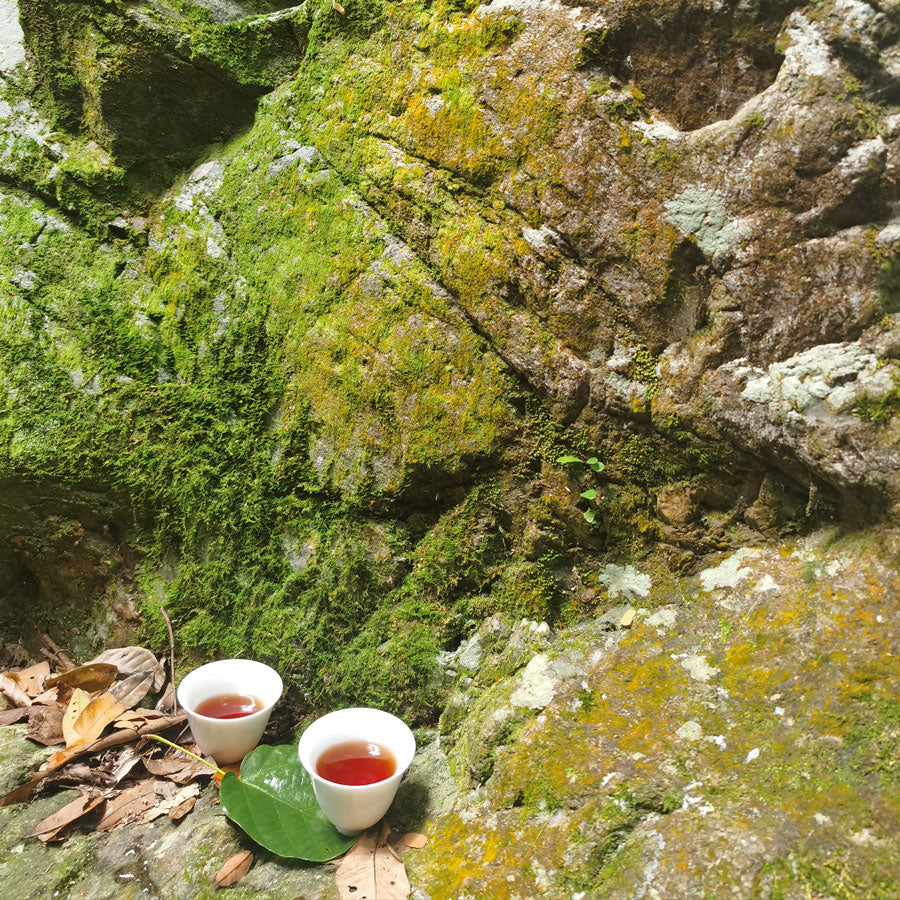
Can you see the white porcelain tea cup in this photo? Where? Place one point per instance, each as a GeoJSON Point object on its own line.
{"type": "Point", "coordinates": [229, 740]}
{"type": "Point", "coordinates": [353, 808]}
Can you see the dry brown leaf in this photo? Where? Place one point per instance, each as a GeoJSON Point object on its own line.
{"type": "Point", "coordinates": [135, 718]}
{"type": "Point", "coordinates": [415, 840]}
{"type": "Point", "coordinates": [125, 762]}
{"type": "Point", "coordinates": [234, 869]}
{"type": "Point", "coordinates": [93, 719]}
{"type": "Point", "coordinates": [10, 687]}
{"type": "Point", "coordinates": [178, 767]}
{"type": "Point", "coordinates": [49, 697]}
{"type": "Point", "coordinates": [183, 808]}
{"type": "Point", "coordinates": [13, 715]}
{"type": "Point", "coordinates": [129, 806]}
{"type": "Point", "coordinates": [77, 703]}
{"type": "Point", "coordinates": [45, 725]}
{"type": "Point", "coordinates": [169, 797]}
{"type": "Point", "coordinates": [92, 677]}
{"type": "Point", "coordinates": [133, 689]}
{"type": "Point", "coordinates": [133, 660]}
{"type": "Point", "coordinates": [82, 775]}
{"type": "Point", "coordinates": [32, 679]}
{"type": "Point", "coordinates": [167, 703]}
{"type": "Point", "coordinates": [48, 829]}
{"type": "Point", "coordinates": [167, 768]}
{"type": "Point", "coordinates": [370, 871]}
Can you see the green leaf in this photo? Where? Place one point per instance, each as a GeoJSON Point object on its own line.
{"type": "Point", "coordinates": [565, 460]}
{"type": "Point", "coordinates": [595, 464]}
{"type": "Point", "coordinates": [589, 495]}
{"type": "Point", "coordinates": [590, 515]}
{"type": "Point", "coordinates": [273, 801]}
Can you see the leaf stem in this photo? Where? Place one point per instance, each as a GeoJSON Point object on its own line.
{"type": "Point", "coordinates": [162, 740]}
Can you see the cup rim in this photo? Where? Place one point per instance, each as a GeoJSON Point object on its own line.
{"type": "Point", "coordinates": [266, 709]}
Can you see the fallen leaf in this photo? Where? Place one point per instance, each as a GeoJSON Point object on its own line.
{"type": "Point", "coordinates": [12, 690]}
{"type": "Point", "coordinates": [48, 698]}
{"type": "Point", "coordinates": [129, 806]}
{"type": "Point", "coordinates": [167, 703]}
{"type": "Point", "coordinates": [47, 829]}
{"type": "Point", "coordinates": [180, 771]}
{"type": "Point", "coordinates": [167, 800]}
{"type": "Point", "coordinates": [134, 718]}
{"type": "Point", "coordinates": [126, 761]}
{"type": "Point", "coordinates": [92, 677]}
{"type": "Point", "coordinates": [183, 808]}
{"type": "Point", "coordinates": [234, 869]}
{"type": "Point", "coordinates": [370, 871]}
{"type": "Point", "coordinates": [93, 719]}
{"type": "Point", "coordinates": [133, 689]}
{"type": "Point", "coordinates": [80, 775]}
{"type": "Point", "coordinates": [45, 725]}
{"type": "Point", "coordinates": [11, 716]}
{"type": "Point", "coordinates": [415, 840]}
{"type": "Point", "coordinates": [134, 660]}
{"type": "Point", "coordinates": [164, 767]}
{"type": "Point", "coordinates": [32, 679]}
{"type": "Point", "coordinates": [77, 703]}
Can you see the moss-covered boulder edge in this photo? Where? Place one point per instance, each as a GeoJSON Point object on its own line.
{"type": "Point", "coordinates": [307, 387]}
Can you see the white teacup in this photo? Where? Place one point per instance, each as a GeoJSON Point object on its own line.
{"type": "Point", "coordinates": [229, 740]}
{"type": "Point", "coordinates": [353, 808]}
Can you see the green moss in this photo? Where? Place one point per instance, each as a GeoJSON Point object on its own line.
{"type": "Point", "coordinates": [643, 369]}
{"type": "Point", "coordinates": [831, 877]}
{"type": "Point", "coordinates": [880, 410]}
{"type": "Point", "coordinates": [754, 120]}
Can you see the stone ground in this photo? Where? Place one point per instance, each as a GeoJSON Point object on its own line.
{"type": "Point", "coordinates": [739, 739]}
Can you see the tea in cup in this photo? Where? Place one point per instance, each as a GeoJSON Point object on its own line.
{"type": "Point", "coordinates": [356, 759]}
{"type": "Point", "coordinates": [228, 704]}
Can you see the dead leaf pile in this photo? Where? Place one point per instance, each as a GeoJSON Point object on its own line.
{"type": "Point", "coordinates": [106, 752]}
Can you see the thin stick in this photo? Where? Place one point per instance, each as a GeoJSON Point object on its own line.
{"type": "Point", "coordinates": [165, 615]}
{"type": "Point", "coordinates": [162, 740]}
{"type": "Point", "coordinates": [64, 662]}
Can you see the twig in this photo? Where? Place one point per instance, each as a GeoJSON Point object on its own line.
{"type": "Point", "coordinates": [64, 662]}
{"type": "Point", "coordinates": [162, 740]}
{"type": "Point", "coordinates": [165, 615]}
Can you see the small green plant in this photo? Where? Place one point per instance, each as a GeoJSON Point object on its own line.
{"type": "Point", "coordinates": [590, 514]}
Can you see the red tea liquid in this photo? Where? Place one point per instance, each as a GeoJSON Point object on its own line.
{"type": "Point", "coordinates": [228, 706]}
{"type": "Point", "coordinates": [356, 762]}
